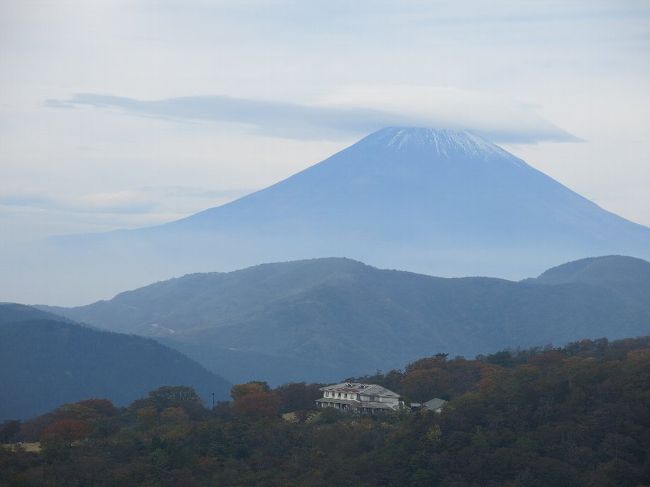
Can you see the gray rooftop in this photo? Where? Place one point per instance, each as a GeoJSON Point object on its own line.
{"type": "Point", "coordinates": [358, 388]}
{"type": "Point", "coordinates": [434, 403]}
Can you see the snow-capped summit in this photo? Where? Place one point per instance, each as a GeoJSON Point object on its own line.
{"type": "Point", "coordinates": [443, 142]}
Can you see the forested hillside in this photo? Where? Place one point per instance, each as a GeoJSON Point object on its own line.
{"type": "Point", "coordinates": [46, 361]}
{"type": "Point", "coordinates": [14, 313]}
{"type": "Point", "coordinates": [321, 319]}
{"type": "Point", "coordinates": [575, 416]}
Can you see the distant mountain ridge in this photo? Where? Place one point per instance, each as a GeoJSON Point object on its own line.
{"type": "Point", "coordinates": [628, 276]}
{"type": "Point", "coordinates": [433, 201]}
{"type": "Point", "coordinates": [47, 361]}
{"type": "Point", "coordinates": [324, 319]}
{"type": "Point", "coordinates": [16, 313]}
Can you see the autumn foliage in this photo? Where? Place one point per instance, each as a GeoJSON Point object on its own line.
{"type": "Point", "coordinates": [66, 431]}
{"type": "Point", "coordinates": [255, 399]}
{"type": "Point", "coordinates": [240, 390]}
{"type": "Point", "coordinates": [560, 417]}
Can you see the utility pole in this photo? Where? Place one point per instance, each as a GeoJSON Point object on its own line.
{"type": "Point", "coordinates": [213, 401]}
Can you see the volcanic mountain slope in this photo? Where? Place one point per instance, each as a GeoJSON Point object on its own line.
{"type": "Point", "coordinates": [46, 361]}
{"type": "Point", "coordinates": [404, 185]}
{"type": "Point", "coordinates": [434, 201]}
{"type": "Point", "coordinates": [325, 319]}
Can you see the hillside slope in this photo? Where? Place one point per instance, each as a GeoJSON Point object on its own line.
{"type": "Point", "coordinates": [330, 317]}
{"type": "Point", "coordinates": [627, 276]}
{"type": "Point", "coordinates": [569, 417]}
{"type": "Point", "coordinates": [45, 363]}
{"type": "Point", "coordinates": [14, 312]}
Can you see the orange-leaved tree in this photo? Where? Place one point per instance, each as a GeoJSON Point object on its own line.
{"type": "Point", "coordinates": [66, 431]}
{"type": "Point", "coordinates": [255, 399]}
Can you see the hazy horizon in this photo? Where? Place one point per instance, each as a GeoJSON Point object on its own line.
{"type": "Point", "coordinates": [446, 203]}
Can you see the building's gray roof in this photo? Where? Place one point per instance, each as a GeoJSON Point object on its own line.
{"type": "Point", "coordinates": [433, 404]}
{"type": "Point", "coordinates": [358, 388]}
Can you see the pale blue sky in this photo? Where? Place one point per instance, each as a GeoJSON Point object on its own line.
{"type": "Point", "coordinates": [531, 74]}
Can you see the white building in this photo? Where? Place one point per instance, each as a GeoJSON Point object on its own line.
{"type": "Point", "coordinates": [361, 398]}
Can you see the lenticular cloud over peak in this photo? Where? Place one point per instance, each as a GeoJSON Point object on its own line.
{"type": "Point", "coordinates": [498, 120]}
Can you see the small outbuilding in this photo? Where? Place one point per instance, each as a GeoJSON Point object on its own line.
{"type": "Point", "coordinates": [434, 405]}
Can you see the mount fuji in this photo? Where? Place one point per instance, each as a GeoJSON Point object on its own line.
{"type": "Point", "coordinates": [441, 202]}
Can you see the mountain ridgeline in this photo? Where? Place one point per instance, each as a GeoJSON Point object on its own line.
{"type": "Point", "coordinates": [47, 361]}
{"type": "Point", "coordinates": [439, 202]}
{"type": "Point", "coordinates": [324, 319]}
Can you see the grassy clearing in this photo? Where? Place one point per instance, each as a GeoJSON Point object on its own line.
{"type": "Point", "coordinates": [34, 447]}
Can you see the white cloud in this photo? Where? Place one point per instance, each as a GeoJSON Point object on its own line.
{"type": "Point", "coordinates": [34, 213]}
{"type": "Point", "coordinates": [500, 118]}
{"type": "Point", "coordinates": [143, 201]}
{"type": "Point", "coordinates": [353, 112]}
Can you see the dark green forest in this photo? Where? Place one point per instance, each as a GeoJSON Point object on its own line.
{"type": "Point", "coordinates": [572, 416]}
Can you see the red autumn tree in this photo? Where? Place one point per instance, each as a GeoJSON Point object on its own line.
{"type": "Point", "coordinates": [66, 431]}
{"type": "Point", "coordinates": [240, 390]}
{"type": "Point", "coordinates": [258, 404]}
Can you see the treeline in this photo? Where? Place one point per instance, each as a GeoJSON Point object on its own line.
{"type": "Point", "coordinates": [572, 416]}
